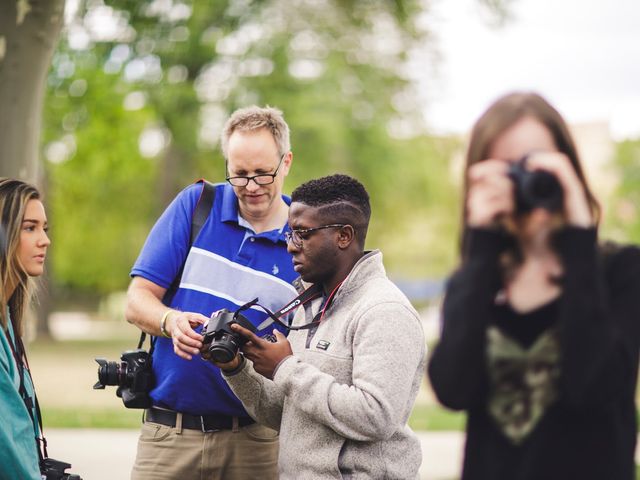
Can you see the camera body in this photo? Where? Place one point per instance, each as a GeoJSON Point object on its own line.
{"type": "Point", "coordinates": [132, 375]}
{"type": "Point", "coordinates": [535, 188]}
{"type": "Point", "coordinates": [220, 343]}
{"type": "Point", "coordinates": [51, 469]}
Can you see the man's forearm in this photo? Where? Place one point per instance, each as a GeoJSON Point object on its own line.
{"type": "Point", "coordinates": [145, 310]}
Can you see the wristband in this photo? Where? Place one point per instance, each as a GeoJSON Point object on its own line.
{"type": "Point", "coordinates": [163, 323]}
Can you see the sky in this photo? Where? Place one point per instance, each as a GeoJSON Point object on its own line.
{"type": "Point", "coordinates": [582, 55]}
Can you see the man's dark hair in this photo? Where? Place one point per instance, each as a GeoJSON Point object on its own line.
{"type": "Point", "coordinates": [340, 198]}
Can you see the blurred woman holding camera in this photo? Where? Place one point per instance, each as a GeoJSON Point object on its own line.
{"type": "Point", "coordinates": [541, 323]}
{"type": "Point", "coordinates": [23, 247]}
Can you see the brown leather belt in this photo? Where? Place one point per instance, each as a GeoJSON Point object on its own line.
{"type": "Point", "coordinates": [204, 423]}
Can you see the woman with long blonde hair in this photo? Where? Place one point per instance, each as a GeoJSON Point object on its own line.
{"type": "Point", "coordinates": [23, 248]}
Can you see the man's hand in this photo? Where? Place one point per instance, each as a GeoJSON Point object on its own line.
{"type": "Point", "coordinates": [180, 325]}
{"type": "Point", "coordinates": [265, 355]}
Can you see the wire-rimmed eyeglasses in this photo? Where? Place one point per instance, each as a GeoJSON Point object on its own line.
{"type": "Point", "coordinates": [298, 236]}
{"type": "Point", "coordinates": [260, 179]}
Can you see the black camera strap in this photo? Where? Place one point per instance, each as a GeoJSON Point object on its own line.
{"type": "Point", "coordinates": [198, 219]}
{"type": "Point", "coordinates": [152, 342]}
{"type": "Point", "coordinates": [314, 291]}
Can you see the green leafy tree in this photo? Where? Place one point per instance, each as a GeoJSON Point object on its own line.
{"type": "Point", "coordinates": [624, 212]}
{"type": "Point", "coordinates": [139, 91]}
{"type": "Point", "coordinates": [102, 188]}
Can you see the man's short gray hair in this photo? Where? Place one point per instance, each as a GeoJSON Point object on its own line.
{"type": "Point", "coordinates": [254, 118]}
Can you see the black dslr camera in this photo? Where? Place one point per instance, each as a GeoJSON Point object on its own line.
{"type": "Point", "coordinates": [535, 189]}
{"type": "Point", "coordinates": [133, 376]}
{"type": "Point", "coordinates": [51, 469]}
{"type": "Point", "coordinates": [220, 343]}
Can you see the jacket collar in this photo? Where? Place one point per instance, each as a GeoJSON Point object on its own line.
{"type": "Point", "coordinates": [369, 266]}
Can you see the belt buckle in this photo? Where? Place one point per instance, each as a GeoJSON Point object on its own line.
{"type": "Point", "coordinates": [203, 428]}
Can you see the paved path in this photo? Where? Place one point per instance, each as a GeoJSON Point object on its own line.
{"type": "Point", "coordinates": [109, 454]}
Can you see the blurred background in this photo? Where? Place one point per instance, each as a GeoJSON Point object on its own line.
{"type": "Point", "coordinates": [113, 106]}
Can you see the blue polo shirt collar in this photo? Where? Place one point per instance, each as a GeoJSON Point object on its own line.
{"type": "Point", "coordinates": [231, 213]}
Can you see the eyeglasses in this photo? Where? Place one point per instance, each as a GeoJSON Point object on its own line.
{"type": "Point", "coordinates": [260, 179]}
{"type": "Point", "coordinates": [298, 236]}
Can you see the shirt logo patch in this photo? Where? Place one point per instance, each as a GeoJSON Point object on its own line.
{"type": "Point", "coordinates": [275, 270]}
{"type": "Point", "coordinates": [323, 345]}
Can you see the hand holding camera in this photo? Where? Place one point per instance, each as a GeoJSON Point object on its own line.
{"type": "Point", "coordinates": [542, 181]}
{"type": "Point", "coordinates": [220, 343]}
{"type": "Point", "coordinates": [265, 353]}
{"type": "Point", "coordinates": [490, 193]}
{"type": "Point", "coordinates": [228, 332]}
{"type": "Point", "coordinates": [186, 341]}
{"type": "Point", "coordinates": [574, 206]}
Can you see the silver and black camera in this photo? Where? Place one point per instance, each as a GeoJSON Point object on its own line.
{"type": "Point", "coordinates": [535, 188]}
{"type": "Point", "coordinates": [132, 375]}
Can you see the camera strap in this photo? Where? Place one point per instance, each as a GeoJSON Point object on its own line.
{"type": "Point", "coordinates": [45, 463]}
{"type": "Point", "coordinates": [313, 292]}
{"type": "Point", "coordinates": [20, 357]}
{"type": "Point", "coordinates": [152, 342]}
{"type": "Point", "coordinates": [198, 219]}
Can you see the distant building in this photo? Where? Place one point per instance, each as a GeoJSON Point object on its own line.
{"type": "Point", "coordinates": [596, 149]}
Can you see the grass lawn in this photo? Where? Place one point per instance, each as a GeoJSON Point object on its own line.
{"type": "Point", "coordinates": [435, 418]}
{"type": "Point", "coordinates": [91, 417]}
{"type": "Point", "coordinates": [424, 417]}
{"type": "Point", "coordinates": [64, 374]}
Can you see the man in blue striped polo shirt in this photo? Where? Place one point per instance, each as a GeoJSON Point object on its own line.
{"type": "Point", "coordinates": [197, 428]}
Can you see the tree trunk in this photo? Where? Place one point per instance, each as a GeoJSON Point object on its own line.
{"type": "Point", "coordinates": [41, 308]}
{"type": "Point", "coordinates": [29, 31]}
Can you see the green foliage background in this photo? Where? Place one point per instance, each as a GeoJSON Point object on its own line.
{"type": "Point", "coordinates": [103, 195]}
{"type": "Point", "coordinates": [624, 209]}
{"type": "Point", "coordinates": [338, 70]}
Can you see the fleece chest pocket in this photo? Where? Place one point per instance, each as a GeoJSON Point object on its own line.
{"type": "Point", "coordinates": [340, 367]}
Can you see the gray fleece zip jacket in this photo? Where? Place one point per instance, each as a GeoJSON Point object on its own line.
{"type": "Point", "coordinates": [342, 400]}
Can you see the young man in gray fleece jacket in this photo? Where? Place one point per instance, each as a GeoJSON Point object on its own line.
{"type": "Point", "coordinates": [340, 392]}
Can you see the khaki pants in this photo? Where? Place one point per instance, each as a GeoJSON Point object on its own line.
{"type": "Point", "coordinates": [168, 453]}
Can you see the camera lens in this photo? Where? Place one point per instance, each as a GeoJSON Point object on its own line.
{"type": "Point", "coordinates": [110, 373]}
{"type": "Point", "coordinates": [223, 350]}
{"type": "Point", "coordinates": [541, 189]}
{"type": "Point", "coordinates": [535, 189]}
